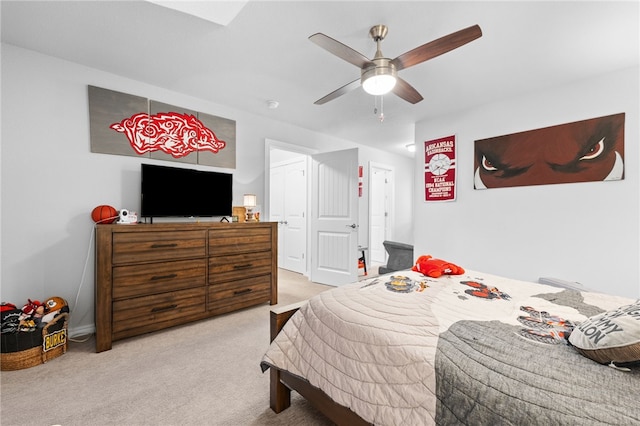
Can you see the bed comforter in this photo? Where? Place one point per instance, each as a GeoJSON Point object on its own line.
{"type": "Point", "coordinates": [405, 349]}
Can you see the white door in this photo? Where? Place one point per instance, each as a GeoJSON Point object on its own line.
{"type": "Point", "coordinates": [334, 222]}
{"type": "Point", "coordinates": [380, 196]}
{"type": "Point", "coordinates": [295, 218]}
{"type": "Point", "coordinates": [288, 205]}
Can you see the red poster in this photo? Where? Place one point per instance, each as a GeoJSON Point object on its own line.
{"type": "Point", "coordinates": [440, 169]}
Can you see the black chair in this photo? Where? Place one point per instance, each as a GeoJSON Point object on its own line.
{"type": "Point", "coordinates": [400, 257]}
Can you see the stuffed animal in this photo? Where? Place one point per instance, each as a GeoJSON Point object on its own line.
{"type": "Point", "coordinates": [435, 268]}
{"type": "Point", "coordinates": [54, 306]}
{"type": "Point", "coordinates": [31, 315]}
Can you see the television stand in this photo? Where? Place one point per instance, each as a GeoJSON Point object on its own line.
{"type": "Point", "coordinates": [154, 276]}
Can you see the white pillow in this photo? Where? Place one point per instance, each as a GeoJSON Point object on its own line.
{"type": "Point", "coordinates": [611, 337]}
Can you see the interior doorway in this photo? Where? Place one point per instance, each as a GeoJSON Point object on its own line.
{"type": "Point", "coordinates": [288, 196]}
{"type": "Point", "coordinates": [380, 210]}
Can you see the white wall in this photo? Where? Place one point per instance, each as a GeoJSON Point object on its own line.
{"type": "Point", "coordinates": [583, 232]}
{"type": "Point", "coordinates": [51, 181]}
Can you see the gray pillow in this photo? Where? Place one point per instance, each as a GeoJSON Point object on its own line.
{"type": "Point", "coordinates": [611, 337]}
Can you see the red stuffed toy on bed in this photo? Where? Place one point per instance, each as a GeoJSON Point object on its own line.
{"type": "Point", "coordinates": [435, 268]}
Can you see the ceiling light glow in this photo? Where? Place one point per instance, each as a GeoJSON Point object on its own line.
{"type": "Point", "coordinates": [379, 84]}
{"type": "Point", "coordinates": [379, 79]}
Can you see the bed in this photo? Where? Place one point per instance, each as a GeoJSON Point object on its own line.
{"type": "Point", "coordinates": [473, 348]}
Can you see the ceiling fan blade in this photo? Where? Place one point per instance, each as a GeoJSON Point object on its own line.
{"type": "Point", "coordinates": [406, 91]}
{"type": "Point", "coordinates": [340, 50]}
{"type": "Point", "coordinates": [437, 47]}
{"type": "Point", "coordinates": [339, 92]}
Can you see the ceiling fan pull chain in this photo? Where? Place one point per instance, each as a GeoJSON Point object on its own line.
{"type": "Point", "coordinates": [381, 108]}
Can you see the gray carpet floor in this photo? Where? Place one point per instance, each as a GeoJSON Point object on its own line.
{"type": "Point", "coordinates": [205, 373]}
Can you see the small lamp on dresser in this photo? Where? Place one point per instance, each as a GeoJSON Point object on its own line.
{"type": "Point", "coordinates": [250, 203]}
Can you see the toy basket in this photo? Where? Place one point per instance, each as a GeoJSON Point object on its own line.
{"type": "Point", "coordinates": [48, 344]}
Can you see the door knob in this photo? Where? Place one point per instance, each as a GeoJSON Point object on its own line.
{"type": "Point", "coordinates": [353, 226]}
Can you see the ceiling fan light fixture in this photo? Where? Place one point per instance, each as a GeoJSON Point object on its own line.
{"type": "Point", "coordinates": [379, 79]}
{"type": "Point", "coordinates": [379, 84]}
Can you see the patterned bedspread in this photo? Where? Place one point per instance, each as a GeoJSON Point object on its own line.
{"type": "Point", "coordinates": [405, 349]}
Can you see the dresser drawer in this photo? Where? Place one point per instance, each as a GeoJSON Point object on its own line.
{"type": "Point", "coordinates": [142, 314]}
{"type": "Point", "coordinates": [135, 247]}
{"type": "Point", "coordinates": [239, 294]}
{"type": "Point", "coordinates": [226, 268]}
{"type": "Point", "coordinates": [146, 279]}
{"type": "Point", "coordinates": [231, 241]}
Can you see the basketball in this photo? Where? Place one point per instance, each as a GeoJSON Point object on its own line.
{"type": "Point", "coordinates": [104, 214]}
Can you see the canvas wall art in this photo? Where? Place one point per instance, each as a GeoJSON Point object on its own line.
{"type": "Point", "coordinates": [582, 151]}
{"type": "Point", "coordinates": [124, 124]}
{"type": "Point", "coordinates": [105, 108]}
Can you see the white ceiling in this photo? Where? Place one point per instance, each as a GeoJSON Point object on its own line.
{"type": "Point", "coordinates": [263, 53]}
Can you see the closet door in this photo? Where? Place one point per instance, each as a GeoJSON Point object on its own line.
{"type": "Point", "coordinates": [295, 227]}
{"type": "Point", "coordinates": [288, 207]}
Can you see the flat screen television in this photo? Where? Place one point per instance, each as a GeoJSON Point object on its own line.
{"type": "Point", "coordinates": [177, 192]}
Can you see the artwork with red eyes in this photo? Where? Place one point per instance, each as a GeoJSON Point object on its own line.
{"type": "Point", "coordinates": [582, 151]}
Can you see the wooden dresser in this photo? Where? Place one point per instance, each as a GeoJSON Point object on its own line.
{"type": "Point", "coordinates": [154, 276]}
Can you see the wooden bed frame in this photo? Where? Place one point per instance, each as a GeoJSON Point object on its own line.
{"type": "Point", "coordinates": [283, 382]}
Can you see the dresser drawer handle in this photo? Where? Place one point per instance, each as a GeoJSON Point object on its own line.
{"type": "Point", "coordinates": [163, 308]}
{"type": "Point", "coordinates": [163, 277]}
{"type": "Point", "coordinates": [245, 266]}
{"type": "Point", "coordinates": [245, 291]}
{"type": "Point", "coordinates": [169, 245]}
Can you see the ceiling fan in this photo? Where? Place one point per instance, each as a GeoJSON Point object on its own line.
{"type": "Point", "coordinates": [379, 75]}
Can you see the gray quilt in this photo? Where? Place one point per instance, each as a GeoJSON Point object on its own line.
{"type": "Point", "coordinates": [473, 349]}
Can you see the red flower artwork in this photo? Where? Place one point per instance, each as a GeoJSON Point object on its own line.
{"type": "Point", "coordinates": [172, 133]}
